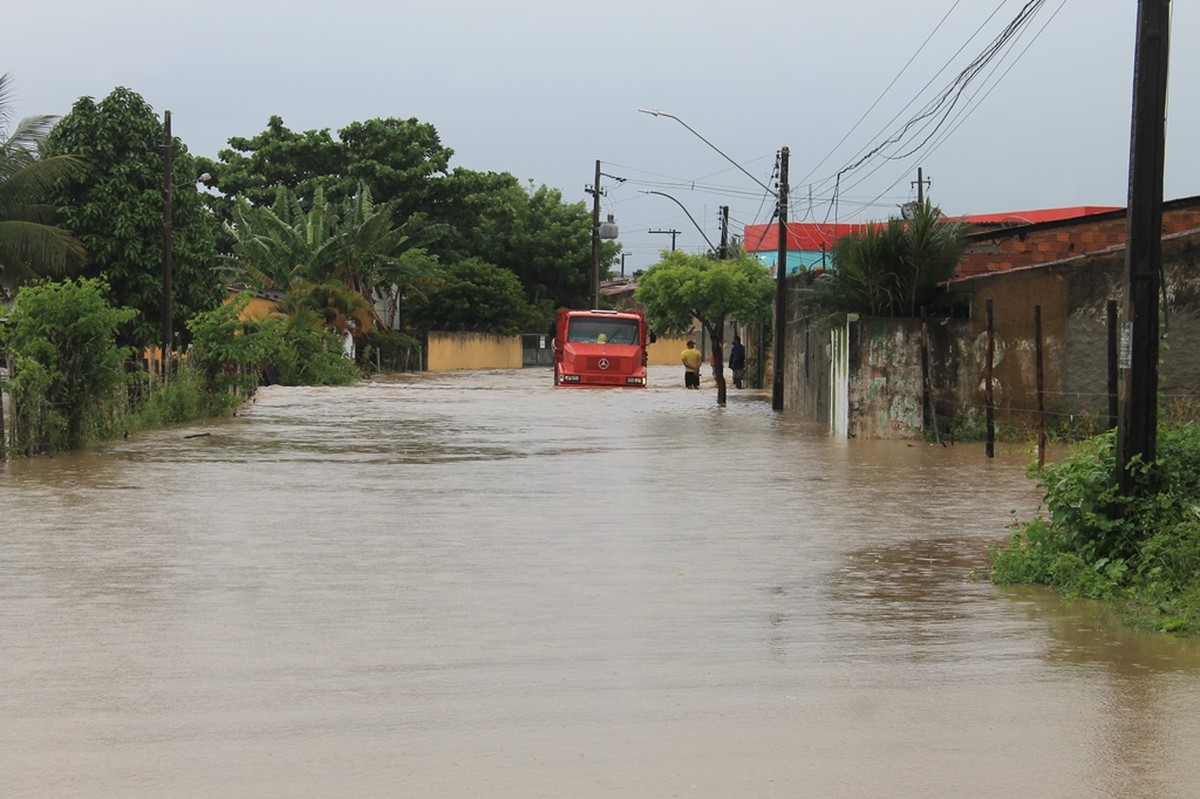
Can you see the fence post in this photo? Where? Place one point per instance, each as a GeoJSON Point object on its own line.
{"type": "Point", "coordinates": [1114, 380]}
{"type": "Point", "coordinates": [989, 405]}
{"type": "Point", "coordinates": [1041, 404]}
{"type": "Point", "coordinates": [3, 429]}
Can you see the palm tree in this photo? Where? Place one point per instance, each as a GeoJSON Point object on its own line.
{"type": "Point", "coordinates": [31, 245]}
{"type": "Point", "coordinates": [355, 244]}
{"type": "Point", "coordinates": [891, 269]}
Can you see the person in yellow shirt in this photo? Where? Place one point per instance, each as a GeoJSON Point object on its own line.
{"type": "Point", "coordinates": [691, 358]}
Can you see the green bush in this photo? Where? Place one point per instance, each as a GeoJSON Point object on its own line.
{"type": "Point", "coordinates": [61, 340]}
{"type": "Point", "coordinates": [1141, 550]}
{"type": "Point", "coordinates": [391, 351]}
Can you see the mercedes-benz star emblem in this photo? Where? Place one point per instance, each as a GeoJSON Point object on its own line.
{"type": "Point", "coordinates": [602, 363]}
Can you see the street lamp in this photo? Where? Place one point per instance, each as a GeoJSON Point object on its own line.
{"type": "Point", "coordinates": [689, 216]}
{"type": "Point", "coordinates": [781, 197]}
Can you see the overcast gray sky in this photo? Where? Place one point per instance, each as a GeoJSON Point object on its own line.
{"type": "Point", "coordinates": [543, 88]}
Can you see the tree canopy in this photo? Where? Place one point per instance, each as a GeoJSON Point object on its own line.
{"type": "Point", "coordinates": [475, 296]}
{"type": "Point", "coordinates": [683, 286]}
{"type": "Point", "coordinates": [450, 214]}
{"type": "Point", "coordinates": [116, 210]}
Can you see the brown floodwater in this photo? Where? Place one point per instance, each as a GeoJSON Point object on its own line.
{"type": "Point", "coordinates": [474, 584]}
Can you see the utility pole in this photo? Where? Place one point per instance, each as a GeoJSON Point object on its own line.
{"type": "Point", "coordinates": [600, 231]}
{"type": "Point", "coordinates": [724, 251]}
{"type": "Point", "coordinates": [168, 211]}
{"type": "Point", "coordinates": [595, 282]}
{"type": "Point", "coordinates": [921, 183]}
{"type": "Point", "coordinates": [781, 283]}
{"type": "Point", "coordinates": [672, 233]}
{"type": "Point", "coordinates": [1137, 431]}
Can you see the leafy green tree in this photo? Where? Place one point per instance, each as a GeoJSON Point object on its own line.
{"type": "Point", "coordinates": [894, 269]}
{"type": "Point", "coordinates": [397, 159]}
{"type": "Point", "coordinates": [31, 243]}
{"type": "Point", "coordinates": [684, 286]}
{"type": "Point", "coordinates": [545, 242]}
{"type": "Point", "coordinates": [451, 215]}
{"type": "Point", "coordinates": [61, 339]}
{"type": "Point", "coordinates": [116, 210]}
{"type": "Point", "coordinates": [475, 296]}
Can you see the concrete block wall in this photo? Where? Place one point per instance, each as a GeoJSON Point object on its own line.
{"type": "Point", "coordinates": [1029, 245]}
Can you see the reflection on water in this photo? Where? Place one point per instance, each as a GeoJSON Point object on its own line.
{"type": "Point", "coordinates": [475, 584]}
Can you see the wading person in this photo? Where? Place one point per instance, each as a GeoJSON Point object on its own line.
{"type": "Point", "coordinates": [737, 361]}
{"type": "Point", "coordinates": [691, 359]}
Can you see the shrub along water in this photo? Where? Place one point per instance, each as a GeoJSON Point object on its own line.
{"type": "Point", "coordinates": [1141, 552]}
{"type": "Point", "coordinates": [68, 389]}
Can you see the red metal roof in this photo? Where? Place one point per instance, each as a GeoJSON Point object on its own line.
{"type": "Point", "coordinates": [817, 236]}
{"type": "Point", "coordinates": [803, 236]}
{"type": "Point", "coordinates": [1038, 215]}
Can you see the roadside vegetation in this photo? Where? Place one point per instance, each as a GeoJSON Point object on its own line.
{"type": "Point", "coordinates": [1140, 552]}
{"type": "Point", "coordinates": [362, 240]}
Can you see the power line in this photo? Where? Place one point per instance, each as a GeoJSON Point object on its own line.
{"type": "Point", "coordinates": [940, 116]}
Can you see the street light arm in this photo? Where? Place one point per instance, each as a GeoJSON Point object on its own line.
{"type": "Point", "coordinates": [654, 112]}
{"type": "Point", "coordinates": [685, 210]}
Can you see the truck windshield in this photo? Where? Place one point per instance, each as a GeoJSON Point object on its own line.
{"type": "Point", "coordinates": [614, 331]}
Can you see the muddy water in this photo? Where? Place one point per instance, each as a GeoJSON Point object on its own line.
{"type": "Point", "coordinates": [477, 585]}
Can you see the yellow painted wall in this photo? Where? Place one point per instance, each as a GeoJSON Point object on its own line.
{"type": "Point", "coordinates": [450, 351]}
{"type": "Point", "coordinates": [665, 351]}
{"type": "Point", "coordinates": [258, 309]}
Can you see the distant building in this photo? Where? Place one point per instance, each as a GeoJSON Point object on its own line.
{"type": "Point", "coordinates": [809, 243]}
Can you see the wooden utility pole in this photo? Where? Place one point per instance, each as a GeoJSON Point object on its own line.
{"type": "Point", "coordinates": [920, 183]}
{"type": "Point", "coordinates": [168, 212]}
{"type": "Point", "coordinates": [723, 253]}
{"type": "Point", "coordinates": [673, 233]}
{"type": "Point", "coordinates": [781, 283]}
{"type": "Point", "coordinates": [989, 398]}
{"type": "Point", "coordinates": [1137, 431]}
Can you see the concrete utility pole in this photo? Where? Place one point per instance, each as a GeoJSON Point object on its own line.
{"type": "Point", "coordinates": [781, 283]}
{"type": "Point", "coordinates": [1137, 431]}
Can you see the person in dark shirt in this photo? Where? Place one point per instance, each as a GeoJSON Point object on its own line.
{"type": "Point", "coordinates": [737, 361]}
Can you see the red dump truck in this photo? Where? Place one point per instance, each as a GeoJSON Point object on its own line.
{"type": "Point", "coordinates": [600, 348]}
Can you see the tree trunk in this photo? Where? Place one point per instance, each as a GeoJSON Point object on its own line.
{"type": "Point", "coordinates": [715, 333]}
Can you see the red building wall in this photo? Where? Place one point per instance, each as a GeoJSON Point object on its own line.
{"type": "Point", "coordinates": [1028, 245]}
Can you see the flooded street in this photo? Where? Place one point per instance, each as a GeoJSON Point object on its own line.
{"type": "Point", "coordinates": [474, 584]}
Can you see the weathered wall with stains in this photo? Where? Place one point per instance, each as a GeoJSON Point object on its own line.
{"type": "Point", "coordinates": [1074, 297]}
{"type": "Point", "coordinates": [885, 395]}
